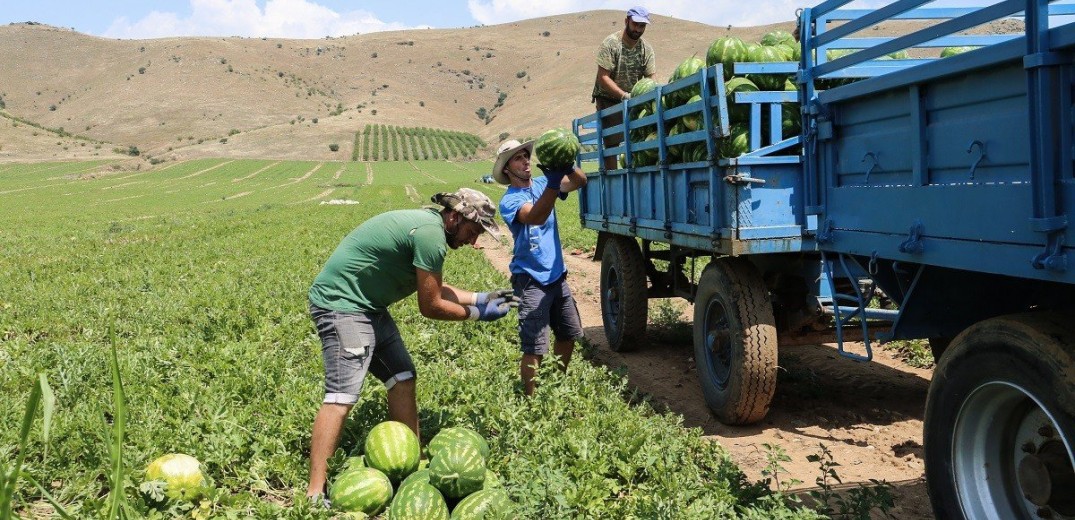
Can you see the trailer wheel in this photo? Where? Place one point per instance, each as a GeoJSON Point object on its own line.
{"type": "Point", "coordinates": [1000, 421]}
{"type": "Point", "coordinates": [735, 341]}
{"type": "Point", "coordinates": [624, 305]}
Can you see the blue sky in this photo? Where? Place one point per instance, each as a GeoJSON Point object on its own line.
{"type": "Point", "coordinates": [320, 18]}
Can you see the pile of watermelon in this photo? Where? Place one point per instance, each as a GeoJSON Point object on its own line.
{"type": "Point", "coordinates": [453, 484]}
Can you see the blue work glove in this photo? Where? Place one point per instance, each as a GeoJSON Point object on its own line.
{"type": "Point", "coordinates": [481, 298]}
{"type": "Point", "coordinates": [493, 309]}
{"type": "Point", "coordinates": [554, 175]}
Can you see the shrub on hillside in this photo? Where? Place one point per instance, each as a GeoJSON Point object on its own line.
{"type": "Point", "coordinates": [334, 147]}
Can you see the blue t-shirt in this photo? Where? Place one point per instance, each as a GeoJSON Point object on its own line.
{"type": "Point", "coordinates": [537, 249]}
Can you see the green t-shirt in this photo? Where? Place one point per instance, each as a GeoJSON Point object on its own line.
{"type": "Point", "coordinates": [374, 266]}
{"type": "Point", "coordinates": [626, 65]}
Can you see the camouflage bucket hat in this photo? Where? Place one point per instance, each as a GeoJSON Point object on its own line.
{"type": "Point", "coordinates": [473, 205]}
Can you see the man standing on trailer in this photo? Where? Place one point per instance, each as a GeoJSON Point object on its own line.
{"type": "Point", "coordinates": [623, 59]}
{"type": "Point", "coordinates": [538, 273]}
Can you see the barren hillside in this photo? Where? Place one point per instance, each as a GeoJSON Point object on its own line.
{"type": "Point", "coordinates": [179, 97]}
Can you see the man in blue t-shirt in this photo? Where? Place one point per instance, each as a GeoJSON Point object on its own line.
{"type": "Point", "coordinates": [538, 273]}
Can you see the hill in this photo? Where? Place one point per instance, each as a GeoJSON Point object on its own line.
{"type": "Point", "coordinates": [177, 98]}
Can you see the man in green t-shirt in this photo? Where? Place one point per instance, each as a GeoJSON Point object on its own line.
{"type": "Point", "coordinates": [623, 59]}
{"type": "Point", "coordinates": [382, 261]}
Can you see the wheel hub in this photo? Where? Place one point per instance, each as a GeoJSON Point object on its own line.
{"type": "Point", "coordinates": [1046, 471]}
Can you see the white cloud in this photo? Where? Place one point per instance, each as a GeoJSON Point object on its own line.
{"type": "Point", "coordinates": [279, 19]}
{"type": "Point", "coordinates": [718, 13]}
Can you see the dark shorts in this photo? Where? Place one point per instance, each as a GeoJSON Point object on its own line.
{"type": "Point", "coordinates": [354, 344]}
{"type": "Point", "coordinates": [610, 120]}
{"type": "Point", "coordinates": [542, 307]}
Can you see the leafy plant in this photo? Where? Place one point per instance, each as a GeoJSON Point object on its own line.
{"type": "Point", "coordinates": [857, 503]}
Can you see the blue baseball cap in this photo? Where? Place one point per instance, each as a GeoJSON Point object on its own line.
{"type": "Point", "coordinates": [639, 14]}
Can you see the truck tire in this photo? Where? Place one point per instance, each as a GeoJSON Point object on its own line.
{"type": "Point", "coordinates": [1000, 421]}
{"type": "Point", "coordinates": [735, 341]}
{"type": "Point", "coordinates": [624, 305]}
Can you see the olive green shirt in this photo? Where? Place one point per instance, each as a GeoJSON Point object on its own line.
{"type": "Point", "coordinates": [626, 65]}
{"type": "Point", "coordinates": [374, 266]}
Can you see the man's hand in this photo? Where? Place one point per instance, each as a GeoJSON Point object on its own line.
{"type": "Point", "coordinates": [625, 96]}
{"type": "Point", "coordinates": [493, 309]}
{"type": "Point", "coordinates": [481, 298]}
{"type": "Point", "coordinates": [554, 175]}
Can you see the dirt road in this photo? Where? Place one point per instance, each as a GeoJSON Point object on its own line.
{"type": "Point", "coordinates": [869, 415]}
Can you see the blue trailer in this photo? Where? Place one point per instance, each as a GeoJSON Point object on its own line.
{"type": "Point", "coordinates": [942, 184]}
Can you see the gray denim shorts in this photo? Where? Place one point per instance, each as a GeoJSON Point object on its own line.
{"type": "Point", "coordinates": [353, 344]}
{"type": "Point", "coordinates": [542, 307]}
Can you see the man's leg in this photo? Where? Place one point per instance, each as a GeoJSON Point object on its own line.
{"type": "Point", "coordinates": [528, 369]}
{"type": "Point", "coordinates": [403, 404]}
{"type": "Point", "coordinates": [326, 435]}
{"type": "Point", "coordinates": [564, 348]}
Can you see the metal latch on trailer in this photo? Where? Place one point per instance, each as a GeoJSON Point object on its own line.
{"type": "Point", "coordinates": [740, 179]}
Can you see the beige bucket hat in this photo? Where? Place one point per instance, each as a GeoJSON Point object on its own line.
{"type": "Point", "coordinates": [503, 155]}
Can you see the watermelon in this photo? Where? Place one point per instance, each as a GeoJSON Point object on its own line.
{"type": "Point", "coordinates": [735, 144]}
{"type": "Point", "coordinates": [457, 470]}
{"type": "Point", "coordinates": [646, 157]}
{"type": "Point", "coordinates": [421, 475]}
{"type": "Point", "coordinates": [764, 54]}
{"type": "Point", "coordinates": [353, 463]}
{"type": "Point", "coordinates": [361, 489]}
{"type": "Point", "coordinates": [685, 69]}
{"type": "Point", "coordinates": [726, 51]}
{"type": "Point", "coordinates": [459, 434]}
{"type": "Point", "coordinates": [778, 38]}
{"type": "Point", "coordinates": [418, 501]}
{"type": "Point", "coordinates": [393, 448]}
{"type": "Point", "coordinates": [738, 112]}
{"type": "Point", "coordinates": [952, 51]}
{"type": "Point", "coordinates": [639, 133]}
{"type": "Point", "coordinates": [487, 504]}
{"type": "Point", "coordinates": [492, 481]}
{"type": "Point", "coordinates": [557, 148]}
{"type": "Point", "coordinates": [641, 87]}
{"type": "Point", "coordinates": [692, 121]}
{"type": "Point", "coordinates": [182, 475]}
{"type": "Point", "coordinates": [695, 152]}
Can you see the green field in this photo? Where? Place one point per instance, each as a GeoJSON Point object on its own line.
{"type": "Point", "coordinates": [201, 269]}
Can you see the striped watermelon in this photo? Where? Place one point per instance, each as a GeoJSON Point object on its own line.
{"type": "Point", "coordinates": [685, 69]}
{"type": "Point", "coordinates": [763, 54]}
{"type": "Point", "coordinates": [487, 504]}
{"type": "Point", "coordinates": [361, 489]}
{"type": "Point", "coordinates": [491, 480]}
{"type": "Point", "coordinates": [557, 148]}
{"type": "Point", "coordinates": [726, 51]}
{"type": "Point", "coordinates": [738, 112]}
{"type": "Point", "coordinates": [392, 448]}
{"type": "Point", "coordinates": [458, 434]}
{"type": "Point", "coordinates": [641, 87]}
{"type": "Point", "coordinates": [421, 475]}
{"type": "Point", "coordinates": [952, 51]}
{"type": "Point", "coordinates": [735, 144]}
{"type": "Point", "coordinates": [457, 470]}
{"type": "Point", "coordinates": [692, 121]}
{"type": "Point", "coordinates": [181, 473]}
{"type": "Point", "coordinates": [777, 38]}
{"type": "Point", "coordinates": [418, 501]}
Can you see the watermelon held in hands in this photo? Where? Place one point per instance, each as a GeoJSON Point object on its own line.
{"type": "Point", "coordinates": [457, 470]}
{"type": "Point", "coordinates": [392, 448]}
{"type": "Point", "coordinates": [418, 501]}
{"type": "Point", "coordinates": [181, 474]}
{"type": "Point", "coordinates": [487, 504]}
{"type": "Point", "coordinates": [365, 490]}
{"type": "Point", "coordinates": [458, 434]}
{"type": "Point", "coordinates": [557, 148]}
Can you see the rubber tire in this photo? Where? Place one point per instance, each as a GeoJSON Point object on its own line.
{"type": "Point", "coordinates": [738, 387]}
{"type": "Point", "coordinates": [1036, 352]}
{"type": "Point", "coordinates": [624, 302]}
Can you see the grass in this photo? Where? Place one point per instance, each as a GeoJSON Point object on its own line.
{"type": "Point", "coordinates": [172, 304]}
